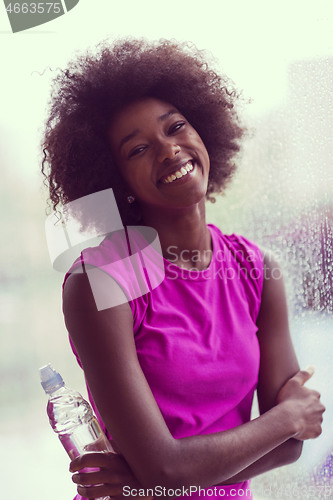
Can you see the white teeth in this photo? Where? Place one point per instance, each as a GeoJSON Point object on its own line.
{"type": "Point", "coordinates": [180, 173]}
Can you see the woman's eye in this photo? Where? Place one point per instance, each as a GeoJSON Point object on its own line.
{"type": "Point", "coordinates": [136, 151]}
{"type": "Point", "coordinates": [177, 126]}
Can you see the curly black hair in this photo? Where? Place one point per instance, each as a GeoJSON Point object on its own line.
{"type": "Point", "coordinates": [77, 158]}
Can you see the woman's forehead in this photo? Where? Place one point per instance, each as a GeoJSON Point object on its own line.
{"type": "Point", "coordinates": [138, 114]}
{"type": "Point", "coordinates": [150, 106]}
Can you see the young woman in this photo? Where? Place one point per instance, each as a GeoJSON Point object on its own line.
{"type": "Point", "coordinates": [172, 373]}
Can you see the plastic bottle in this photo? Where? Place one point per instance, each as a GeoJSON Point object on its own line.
{"type": "Point", "coordinates": [71, 417]}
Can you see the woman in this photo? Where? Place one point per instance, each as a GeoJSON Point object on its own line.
{"type": "Point", "coordinates": [172, 372]}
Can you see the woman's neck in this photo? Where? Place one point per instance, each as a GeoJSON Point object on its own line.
{"type": "Point", "coordinates": [184, 236]}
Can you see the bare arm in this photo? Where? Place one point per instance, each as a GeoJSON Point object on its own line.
{"type": "Point", "coordinates": [278, 364]}
{"type": "Point", "coordinates": [104, 341]}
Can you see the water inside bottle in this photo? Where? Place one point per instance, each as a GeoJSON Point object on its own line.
{"type": "Point", "coordinates": [86, 438]}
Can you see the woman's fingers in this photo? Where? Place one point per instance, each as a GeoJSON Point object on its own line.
{"type": "Point", "coordinates": [96, 477]}
{"type": "Point", "coordinates": [93, 484]}
{"type": "Point", "coordinates": [109, 479]}
{"type": "Point", "coordinates": [304, 404]}
{"type": "Point", "coordinates": [103, 490]}
{"type": "Point", "coordinates": [95, 460]}
{"type": "Point", "coordinates": [106, 490]}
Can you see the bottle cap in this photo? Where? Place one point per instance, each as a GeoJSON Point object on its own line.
{"type": "Point", "coordinates": [51, 380]}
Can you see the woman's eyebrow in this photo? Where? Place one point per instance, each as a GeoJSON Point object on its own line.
{"type": "Point", "coordinates": [166, 115]}
{"type": "Point", "coordinates": [135, 132]}
{"type": "Point", "coordinates": [128, 138]}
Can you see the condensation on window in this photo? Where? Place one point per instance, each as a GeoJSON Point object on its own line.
{"type": "Point", "coordinates": [282, 198]}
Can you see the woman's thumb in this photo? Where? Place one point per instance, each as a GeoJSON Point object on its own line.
{"type": "Point", "coordinates": [304, 375]}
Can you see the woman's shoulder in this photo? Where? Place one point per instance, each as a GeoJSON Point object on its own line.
{"type": "Point", "coordinates": [241, 247]}
{"type": "Point", "coordinates": [246, 261]}
{"type": "Point", "coordinates": [108, 276]}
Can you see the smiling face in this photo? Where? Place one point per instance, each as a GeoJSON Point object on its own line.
{"type": "Point", "coordinates": [159, 154]}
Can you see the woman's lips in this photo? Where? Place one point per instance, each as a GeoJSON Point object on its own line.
{"type": "Point", "coordinates": [178, 174]}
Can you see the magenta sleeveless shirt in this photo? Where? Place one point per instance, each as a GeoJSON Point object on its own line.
{"type": "Point", "coordinates": [196, 341]}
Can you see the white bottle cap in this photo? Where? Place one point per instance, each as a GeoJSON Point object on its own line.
{"type": "Point", "coordinates": [50, 379]}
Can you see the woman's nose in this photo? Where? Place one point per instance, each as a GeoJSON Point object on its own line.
{"type": "Point", "coordinates": [168, 151]}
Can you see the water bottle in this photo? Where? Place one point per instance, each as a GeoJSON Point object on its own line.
{"type": "Point", "coordinates": [71, 417]}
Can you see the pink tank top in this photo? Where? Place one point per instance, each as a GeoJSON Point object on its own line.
{"type": "Point", "coordinates": [196, 341]}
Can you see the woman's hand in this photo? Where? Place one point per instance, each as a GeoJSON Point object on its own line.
{"type": "Point", "coordinates": [113, 475]}
{"type": "Point", "coordinates": [305, 404]}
